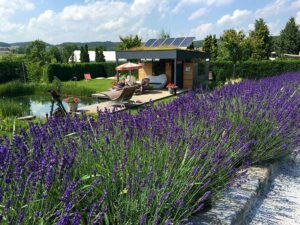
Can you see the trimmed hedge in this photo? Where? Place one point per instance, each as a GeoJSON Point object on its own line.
{"type": "Point", "coordinates": [224, 70]}
{"type": "Point", "coordinates": [10, 71]}
{"type": "Point", "coordinates": [110, 68]}
{"type": "Point", "coordinates": [66, 72]}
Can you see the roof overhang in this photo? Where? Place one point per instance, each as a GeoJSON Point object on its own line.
{"type": "Point", "coordinates": [161, 54]}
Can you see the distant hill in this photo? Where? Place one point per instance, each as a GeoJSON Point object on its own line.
{"type": "Point", "coordinates": [3, 44]}
{"type": "Point", "coordinates": [109, 45]}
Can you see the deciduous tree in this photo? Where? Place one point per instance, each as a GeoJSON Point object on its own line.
{"type": "Point", "coordinates": [232, 46]}
{"type": "Point", "coordinates": [36, 52]}
{"type": "Point", "coordinates": [260, 40]}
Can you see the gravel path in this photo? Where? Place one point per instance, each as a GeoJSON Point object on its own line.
{"type": "Point", "coordinates": [281, 205]}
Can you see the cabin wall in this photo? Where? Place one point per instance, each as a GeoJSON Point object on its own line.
{"type": "Point", "coordinates": [145, 70]}
{"type": "Point", "coordinates": [169, 72]}
{"type": "Point", "coordinates": [188, 75]}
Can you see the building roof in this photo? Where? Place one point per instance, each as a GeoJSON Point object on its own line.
{"type": "Point", "coordinates": [161, 54]}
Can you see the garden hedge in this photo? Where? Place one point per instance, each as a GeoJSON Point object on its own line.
{"type": "Point", "coordinates": [224, 70]}
{"type": "Point", "coordinates": [66, 72]}
{"type": "Point", "coordinates": [10, 71]}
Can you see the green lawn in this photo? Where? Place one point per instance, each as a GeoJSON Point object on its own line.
{"type": "Point", "coordinates": [85, 88]}
{"type": "Point", "coordinates": [96, 85]}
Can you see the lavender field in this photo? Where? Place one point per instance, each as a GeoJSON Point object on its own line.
{"type": "Point", "coordinates": [157, 167]}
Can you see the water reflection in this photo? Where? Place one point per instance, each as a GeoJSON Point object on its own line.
{"type": "Point", "coordinates": [40, 105]}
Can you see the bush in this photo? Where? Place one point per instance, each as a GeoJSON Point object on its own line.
{"type": "Point", "coordinates": [158, 167]}
{"type": "Point", "coordinates": [110, 68]}
{"type": "Point", "coordinates": [66, 72]}
{"type": "Point", "coordinates": [224, 70]}
{"type": "Point", "coordinates": [34, 71]}
{"type": "Point", "coordinates": [10, 71]}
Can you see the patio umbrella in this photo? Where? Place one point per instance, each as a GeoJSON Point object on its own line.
{"type": "Point", "coordinates": [128, 66]}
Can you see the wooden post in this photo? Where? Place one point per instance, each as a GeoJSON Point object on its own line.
{"type": "Point", "coordinates": [175, 71]}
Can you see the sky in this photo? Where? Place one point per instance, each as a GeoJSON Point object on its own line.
{"type": "Point", "coordinates": [57, 21]}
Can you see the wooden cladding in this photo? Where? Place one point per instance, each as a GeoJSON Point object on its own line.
{"type": "Point", "coordinates": [145, 70]}
{"type": "Point", "coordinates": [188, 75]}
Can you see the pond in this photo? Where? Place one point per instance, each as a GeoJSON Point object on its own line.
{"type": "Point", "coordinates": [40, 105]}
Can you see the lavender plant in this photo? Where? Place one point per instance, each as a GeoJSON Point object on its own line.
{"type": "Point", "coordinates": [157, 167]}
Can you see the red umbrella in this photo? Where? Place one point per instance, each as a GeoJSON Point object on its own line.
{"type": "Point", "coordinates": [128, 66]}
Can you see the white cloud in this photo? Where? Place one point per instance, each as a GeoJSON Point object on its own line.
{"type": "Point", "coordinates": [202, 30]}
{"type": "Point", "coordinates": [183, 3]}
{"type": "Point", "coordinates": [295, 4]}
{"type": "Point", "coordinates": [147, 33]}
{"type": "Point", "coordinates": [93, 20]}
{"type": "Point", "coordinates": [298, 17]}
{"type": "Point", "coordinates": [198, 13]}
{"type": "Point", "coordinates": [9, 7]}
{"type": "Point", "coordinates": [237, 16]}
{"type": "Point", "coordinates": [272, 9]}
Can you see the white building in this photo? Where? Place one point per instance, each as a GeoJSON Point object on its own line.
{"type": "Point", "coordinates": [110, 56]}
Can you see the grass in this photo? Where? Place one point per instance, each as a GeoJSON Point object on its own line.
{"type": "Point", "coordinates": [79, 88]}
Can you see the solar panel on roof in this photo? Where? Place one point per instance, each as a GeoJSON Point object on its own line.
{"type": "Point", "coordinates": [150, 42]}
{"type": "Point", "coordinates": [158, 42]}
{"type": "Point", "coordinates": [187, 42]}
{"type": "Point", "coordinates": [177, 42]}
{"type": "Point", "coordinates": [169, 41]}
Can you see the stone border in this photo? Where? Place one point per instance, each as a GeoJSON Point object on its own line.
{"type": "Point", "coordinates": [235, 204]}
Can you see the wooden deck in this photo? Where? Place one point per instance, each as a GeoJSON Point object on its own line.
{"type": "Point", "coordinates": [138, 100]}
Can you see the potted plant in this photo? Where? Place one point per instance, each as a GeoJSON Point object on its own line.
{"type": "Point", "coordinates": [172, 88]}
{"type": "Point", "coordinates": [72, 103]}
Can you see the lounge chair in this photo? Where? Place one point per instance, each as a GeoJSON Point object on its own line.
{"type": "Point", "coordinates": [118, 98]}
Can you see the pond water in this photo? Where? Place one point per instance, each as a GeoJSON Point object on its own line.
{"type": "Point", "coordinates": [40, 105]}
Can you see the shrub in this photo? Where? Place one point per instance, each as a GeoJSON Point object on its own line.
{"type": "Point", "coordinates": [157, 167]}
{"type": "Point", "coordinates": [34, 71]}
{"type": "Point", "coordinates": [10, 71]}
{"type": "Point", "coordinates": [110, 68]}
{"type": "Point", "coordinates": [66, 72]}
{"type": "Point", "coordinates": [223, 70]}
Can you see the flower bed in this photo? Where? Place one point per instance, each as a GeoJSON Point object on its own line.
{"type": "Point", "coordinates": [157, 167]}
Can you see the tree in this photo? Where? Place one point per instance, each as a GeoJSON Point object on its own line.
{"type": "Point", "coordinates": [290, 38]}
{"type": "Point", "coordinates": [260, 40]}
{"type": "Point", "coordinates": [210, 45]}
{"type": "Point", "coordinates": [36, 52]}
{"type": "Point", "coordinates": [86, 53]}
{"type": "Point", "coordinates": [82, 54]}
{"type": "Point", "coordinates": [67, 52]}
{"type": "Point", "coordinates": [54, 55]}
{"type": "Point", "coordinates": [99, 55]}
{"type": "Point", "coordinates": [232, 46]}
{"type": "Point", "coordinates": [129, 42]}
{"type": "Point", "coordinates": [163, 34]}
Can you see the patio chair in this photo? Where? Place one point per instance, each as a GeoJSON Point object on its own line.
{"type": "Point", "coordinates": [145, 85]}
{"type": "Point", "coordinates": [124, 97]}
{"type": "Point", "coordinates": [87, 76]}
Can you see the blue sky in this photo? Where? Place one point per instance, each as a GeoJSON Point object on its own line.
{"type": "Point", "coordinates": [57, 21]}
